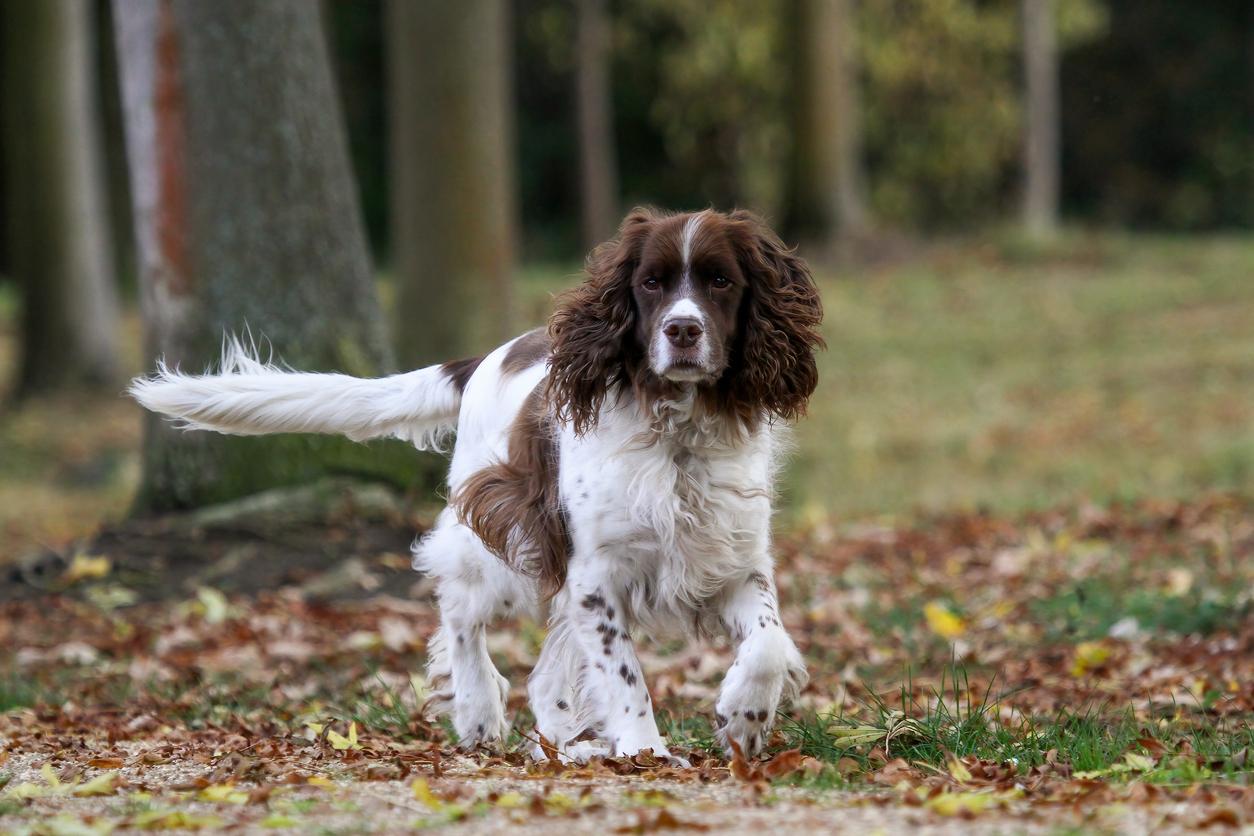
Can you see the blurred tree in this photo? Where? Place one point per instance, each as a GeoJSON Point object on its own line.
{"type": "Point", "coordinates": [57, 223]}
{"type": "Point", "coordinates": [598, 171]}
{"type": "Point", "coordinates": [245, 215]}
{"type": "Point", "coordinates": [700, 99]}
{"type": "Point", "coordinates": [944, 129]}
{"type": "Point", "coordinates": [826, 192]}
{"type": "Point", "coordinates": [1040, 124]}
{"type": "Point", "coordinates": [1158, 116]}
{"type": "Point", "coordinates": [454, 213]}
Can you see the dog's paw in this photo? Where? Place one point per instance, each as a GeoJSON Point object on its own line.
{"type": "Point", "coordinates": [750, 729]}
{"type": "Point", "coordinates": [481, 725]}
{"type": "Point", "coordinates": [579, 752]}
{"type": "Point", "coordinates": [768, 670]}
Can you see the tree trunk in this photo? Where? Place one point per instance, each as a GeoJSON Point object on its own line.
{"type": "Point", "coordinates": [827, 193]}
{"type": "Point", "coordinates": [453, 205]}
{"type": "Point", "coordinates": [598, 173]}
{"type": "Point", "coordinates": [1041, 128]}
{"type": "Point", "coordinates": [246, 219]}
{"type": "Point", "coordinates": [57, 217]}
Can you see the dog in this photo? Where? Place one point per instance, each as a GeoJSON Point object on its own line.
{"type": "Point", "coordinates": [612, 475]}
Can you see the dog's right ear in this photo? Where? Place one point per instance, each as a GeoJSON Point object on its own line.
{"type": "Point", "coordinates": [592, 327]}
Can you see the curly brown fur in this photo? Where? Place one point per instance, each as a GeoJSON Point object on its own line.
{"type": "Point", "coordinates": [591, 329]}
{"type": "Point", "coordinates": [770, 371]}
{"type": "Point", "coordinates": [513, 505]}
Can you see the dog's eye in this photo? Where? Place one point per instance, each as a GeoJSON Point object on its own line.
{"type": "Point", "coordinates": [720, 282]}
{"type": "Point", "coordinates": [651, 283]}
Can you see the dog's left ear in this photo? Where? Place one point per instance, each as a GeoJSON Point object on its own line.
{"type": "Point", "coordinates": [775, 371]}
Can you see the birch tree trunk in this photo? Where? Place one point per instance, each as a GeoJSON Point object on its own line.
{"type": "Point", "coordinates": [246, 221]}
{"type": "Point", "coordinates": [454, 211]}
{"type": "Point", "coordinates": [827, 193]}
{"type": "Point", "coordinates": [1041, 128]}
{"type": "Point", "coordinates": [598, 172]}
{"type": "Point", "coordinates": [57, 218]}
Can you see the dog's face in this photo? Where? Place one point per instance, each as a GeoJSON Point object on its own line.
{"type": "Point", "coordinates": [687, 289]}
{"type": "Point", "coordinates": [707, 299]}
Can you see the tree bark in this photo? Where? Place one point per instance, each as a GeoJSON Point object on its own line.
{"type": "Point", "coordinates": [827, 193]}
{"type": "Point", "coordinates": [246, 220]}
{"type": "Point", "coordinates": [454, 212]}
{"type": "Point", "coordinates": [57, 217]}
{"type": "Point", "coordinates": [598, 172]}
{"type": "Point", "coordinates": [1041, 128]}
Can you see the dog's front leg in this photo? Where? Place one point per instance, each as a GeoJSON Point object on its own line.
{"type": "Point", "coordinates": [613, 691]}
{"type": "Point", "coordinates": [768, 667]}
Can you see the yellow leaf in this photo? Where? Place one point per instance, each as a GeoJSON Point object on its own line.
{"type": "Point", "coordinates": [174, 820]}
{"type": "Point", "coordinates": [279, 821]}
{"type": "Point", "coordinates": [320, 781]}
{"type": "Point", "coordinates": [106, 783]}
{"type": "Point", "coordinates": [342, 743]}
{"type": "Point", "coordinates": [959, 771]}
{"type": "Point", "coordinates": [1138, 762]}
{"type": "Point", "coordinates": [85, 567]}
{"type": "Point", "coordinates": [1089, 655]}
{"type": "Point", "coordinates": [214, 603]}
{"type": "Point", "coordinates": [942, 621]}
{"type": "Point", "coordinates": [66, 824]}
{"type": "Point", "coordinates": [422, 792]}
{"type": "Point", "coordinates": [510, 800]}
{"type": "Point", "coordinates": [27, 790]}
{"type": "Point", "coordinates": [561, 803]}
{"type": "Point", "coordinates": [966, 803]}
{"type": "Point", "coordinates": [650, 798]}
{"type": "Point", "coordinates": [316, 728]}
{"type": "Point", "coordinates": [224, 794]}
{"type": "Point", "coordinates": [49, 776]}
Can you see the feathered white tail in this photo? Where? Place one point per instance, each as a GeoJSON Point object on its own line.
{"type": "Point", "coordinates": [248, 397]}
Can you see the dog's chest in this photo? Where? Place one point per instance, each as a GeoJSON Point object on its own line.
{"type": "Point", "coordinates": [680, 518]}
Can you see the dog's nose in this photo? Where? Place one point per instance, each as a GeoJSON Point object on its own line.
{"type": "Point", "coordinates": [684, 332]}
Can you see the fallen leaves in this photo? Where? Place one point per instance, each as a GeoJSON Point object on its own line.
{"type": "Point", "coordinates": [269, 707]}
{"type": "Point", "coordinates": [942, 621]}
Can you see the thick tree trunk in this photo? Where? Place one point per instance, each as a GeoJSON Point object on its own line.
{"type": "Point", "coordinates": [1041, 128]}
{"type": "Point", "coordinates": [453, 205]}
{"type": "Point", "coordinates": [827, 193]}
{"type": "Point", "coordinates": [246, 218]}
{"type": "Point", "coordinates": [598, 172]}
{"type": "Point", "coordinates": [57, 215]}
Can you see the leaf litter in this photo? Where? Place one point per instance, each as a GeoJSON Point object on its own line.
{"type": "Point", "coordinates": [1084, 665]}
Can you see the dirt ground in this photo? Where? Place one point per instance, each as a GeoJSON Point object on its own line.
{"type": "Point", "coordinates": [1082, 670]}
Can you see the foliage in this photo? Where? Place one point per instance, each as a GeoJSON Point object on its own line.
{"type": "Point", "coordinates": [281, 709]}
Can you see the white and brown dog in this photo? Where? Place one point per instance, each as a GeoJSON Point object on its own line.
{"type": "Point", "coordinates": [612, 474]}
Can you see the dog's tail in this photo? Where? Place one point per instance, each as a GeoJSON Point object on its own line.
{"type": "Point", "coordinates": [249, 397]}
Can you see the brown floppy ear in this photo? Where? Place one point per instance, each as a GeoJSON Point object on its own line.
{"type": "Point", "coordinates": [592, 327]}
{"type": "Point", "coordinates": [775, 371]}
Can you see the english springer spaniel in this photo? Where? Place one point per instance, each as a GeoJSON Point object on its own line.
{"type": "Point", "coordinates": [611, 475]}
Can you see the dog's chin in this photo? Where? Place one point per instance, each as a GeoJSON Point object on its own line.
{"type": "Point", "coordinates": [684, 372]}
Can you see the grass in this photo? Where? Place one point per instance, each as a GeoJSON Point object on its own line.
{"type": "Point", "coordinates": [983, 375]}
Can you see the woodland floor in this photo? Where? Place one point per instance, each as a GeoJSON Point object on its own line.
{"type": "Point", "coordinates": [1087, 669]}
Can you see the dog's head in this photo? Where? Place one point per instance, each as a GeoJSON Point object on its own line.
{"type": "Point", "coordinates": [707, 299]}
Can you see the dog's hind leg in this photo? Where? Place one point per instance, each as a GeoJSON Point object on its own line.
{"type": "Point", "coordinates": [473, 587]}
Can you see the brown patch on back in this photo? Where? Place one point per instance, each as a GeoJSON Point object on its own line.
{"type": "Point", "coordinates": [459, 371]}
{"type": "Point", "coordinates": [513, 505]}
{"type": "Point", "coordinates": [526, 351]}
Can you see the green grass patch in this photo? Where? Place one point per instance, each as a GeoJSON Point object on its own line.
{"type": "Point", "coordinates": [1089, 608]}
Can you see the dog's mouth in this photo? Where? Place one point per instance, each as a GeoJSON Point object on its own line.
{"type": "Point", "coordinates": [687, 370]}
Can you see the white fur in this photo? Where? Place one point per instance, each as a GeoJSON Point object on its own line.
{"type": "Point", "coordinates": [669, 513]}
{"type": "Point", "coordinates": [689, 234]}
{"type": "Point", "coordinates": [248, 397]}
